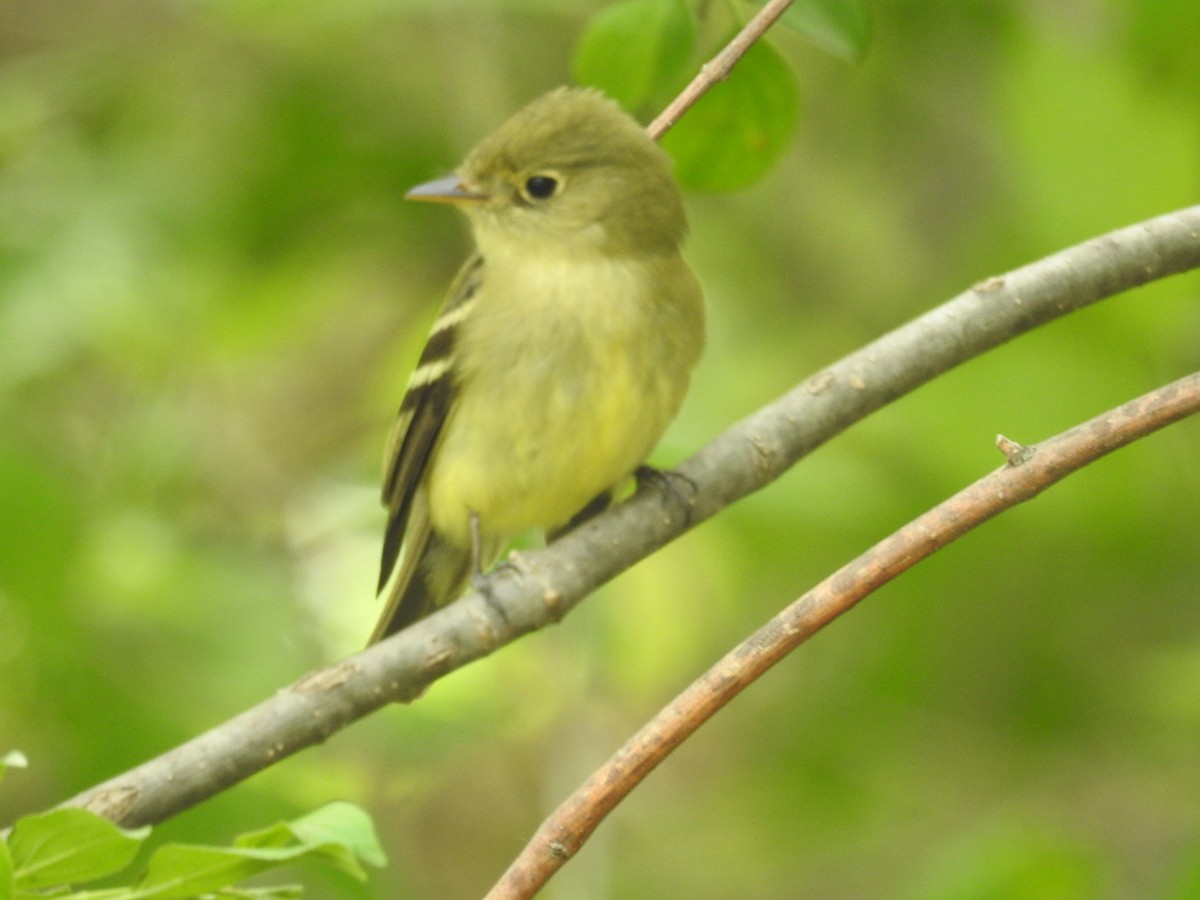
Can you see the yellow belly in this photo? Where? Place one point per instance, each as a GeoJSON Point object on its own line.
{"type": "Point", "coordinates": [561, 398]}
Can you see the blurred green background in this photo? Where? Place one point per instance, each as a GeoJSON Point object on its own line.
{"type": "Point", "coordinates": [212, 291]}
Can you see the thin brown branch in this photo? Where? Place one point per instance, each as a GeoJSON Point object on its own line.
{"type": "Point", "coordinates": [717, 68]}
{"type": "Point", "coordinates": [1030, 471]}
{"type": "Point", "coordinates": [546, 584]}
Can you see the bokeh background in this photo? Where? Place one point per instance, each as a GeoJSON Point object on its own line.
{"type": "Point", "coordinates": [211, 293]}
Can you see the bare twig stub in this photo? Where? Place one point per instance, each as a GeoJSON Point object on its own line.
{"type": "Point", "coordinates": [1030, 471]}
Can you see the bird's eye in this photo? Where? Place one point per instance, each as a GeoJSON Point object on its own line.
{"type": "Point", "coordinates": [541, 187]}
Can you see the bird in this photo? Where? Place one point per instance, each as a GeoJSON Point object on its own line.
{"type": "Point", "coordinates": [562, 351]}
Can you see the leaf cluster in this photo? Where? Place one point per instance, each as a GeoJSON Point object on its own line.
{"type": "Point", "coordinates": [641, 52]}
{"type": "Point", "coordinates": [54, 853]}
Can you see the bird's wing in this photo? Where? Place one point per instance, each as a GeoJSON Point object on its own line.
{"type": "Point", "coordinates": [427, 402]}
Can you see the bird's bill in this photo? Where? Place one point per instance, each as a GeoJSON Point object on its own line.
{"type": "Point", "coordinates": [445, 190]}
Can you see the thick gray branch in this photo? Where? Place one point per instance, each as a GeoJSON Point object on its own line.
{"type": "Point", "coordinates": [543, 585]}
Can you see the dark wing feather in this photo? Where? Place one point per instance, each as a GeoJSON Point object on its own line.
{"type": "Point", "coordinates": [423, 412]}
{"type": "Point", "coordinates": [421, 429]}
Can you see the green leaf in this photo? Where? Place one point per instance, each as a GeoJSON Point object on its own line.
{"type": "Point", "coordinates": [277, 892]}
{"type": "Point", "coordinates": [7, 883]}
{"type": "Point", "coordinates": [630, 48]}
{"type": "Point", "coordinates": [337, 824]}
{"type": "Point", "coordinates": [63, 846]}
{"type": "Point", "coordinates": [344, 824]}
{"type": "Point", "coordinates": [840, 27]}
{"type": "Point", "coordinates": [339, 834]}
{"type": "Point", "coordinates": [737, 130]}
{"type": "Point", "coordinates": [181, 871]}
{"type": "Point", "coordinates": [277, 835]}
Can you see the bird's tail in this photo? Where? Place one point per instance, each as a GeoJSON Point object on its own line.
{"type": "Point", "coordinates": [433, 572]}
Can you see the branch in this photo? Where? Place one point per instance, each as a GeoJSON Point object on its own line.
{"type": "Point", "coordinates": [544, 585]}
{"type": "Point", "coordinates": [1029, 471]}
{"type": "Point", "coordinates": [717, 68]}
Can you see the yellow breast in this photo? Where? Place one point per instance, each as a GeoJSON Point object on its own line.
{"type": "Point", "coordinates": [569, 372]}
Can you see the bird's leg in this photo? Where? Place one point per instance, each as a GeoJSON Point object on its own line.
{"type": "Point", "coordinates": [480, 581]}
{"type": "Point", "coordinates": [476, 545]}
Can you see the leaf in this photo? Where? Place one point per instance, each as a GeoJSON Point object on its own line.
{"type": "Point", "coordinates": [841, 27]}
{"type": "Point", "coordinates": [345, 824]}
{"type": "Point", "coordinates": [180, 871]}
{"type": "Point", "coordinates": [339, 823]}
{"type": "Point", "coordinates": [339, 834]}
{"type": "Point", "coordinates": [633, 46]}
{"type": "Point", "coordinates": [7, 884]}
{"type": "Point", "coordinates": [276, 892]}
{"type": "Point", "coordinates": [63, 846]}
{"type": "Point", "coordinates": [737, 130]}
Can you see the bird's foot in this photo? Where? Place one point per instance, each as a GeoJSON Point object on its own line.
{"type": "Point", "coordinates": [481, 583]}
{"type": "Point", "coordinates": [674, 484]}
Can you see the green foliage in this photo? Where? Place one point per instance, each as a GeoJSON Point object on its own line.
{"type": "Point", "coordinates": [60, 849]}
{"type": "Point", "coordinates": [632, 48]}
{"type": "Point", "coordinates": [639, 50]}
{"type": "Point", "coordinates": [1025, 859]}
{"type": "Point", "coordinates": [7, 882]}
{"type": "Point", "coordinates": [841, 27]}
{"type": "Point", "coordinates": [1186, 886]}
{"type": "Point", "coordinates": [737, 131]}
{"type": "Point", "coordinates": [68, 846]}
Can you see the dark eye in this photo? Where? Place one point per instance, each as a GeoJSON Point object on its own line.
{"type": "Point", "coordinates": [539, 187]}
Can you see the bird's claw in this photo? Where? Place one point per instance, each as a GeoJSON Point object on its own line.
{"type": "Point", "coordinates": [678, 486]}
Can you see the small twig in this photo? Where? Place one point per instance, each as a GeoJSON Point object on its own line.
{"type": "Point", "coordinates": [717, 68]}
{"type": "Point", "coordinates": [1029, 472]}
{"type": "Point", "coordinates": [1015, 453]}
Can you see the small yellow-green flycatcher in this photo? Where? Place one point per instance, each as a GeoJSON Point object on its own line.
{"type": "Point", "coordinates": [560, 355]}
